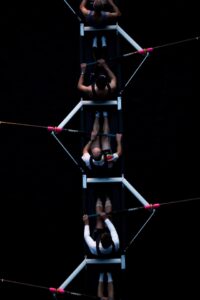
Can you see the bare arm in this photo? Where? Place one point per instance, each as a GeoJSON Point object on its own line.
{"type": "Point", "coordinates": [81, 86]}
{"type": "Point", "coordinates": [116, 12]}
{"type": "Point", "coordinates": [87, 147]}
{"type": "Point", "coordinates": [83, 7]}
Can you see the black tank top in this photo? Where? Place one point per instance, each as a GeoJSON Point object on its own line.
{"type": "Point", "coordinates": [95, 96]}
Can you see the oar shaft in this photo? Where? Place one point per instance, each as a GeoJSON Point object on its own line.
{"type": "Point", "coordinates": [147, 50]}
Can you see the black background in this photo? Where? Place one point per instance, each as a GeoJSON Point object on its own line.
{"type": "Point", "coordinates": [41, 208]}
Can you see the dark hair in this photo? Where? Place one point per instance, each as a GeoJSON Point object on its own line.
{"type": "Point", "coordinates": [98, 6]}
{"type": "Point", "coordinates": [101, 81]}
{"type": "Point", "coordinates": [106, 239]}
{"type": "Point", "coordinates": [97, 158]}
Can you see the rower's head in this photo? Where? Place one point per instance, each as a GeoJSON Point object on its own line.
{"type": "Point", "coordinates": [98, 5]}
{"type": "Point", "coordinates": [101, 81]}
